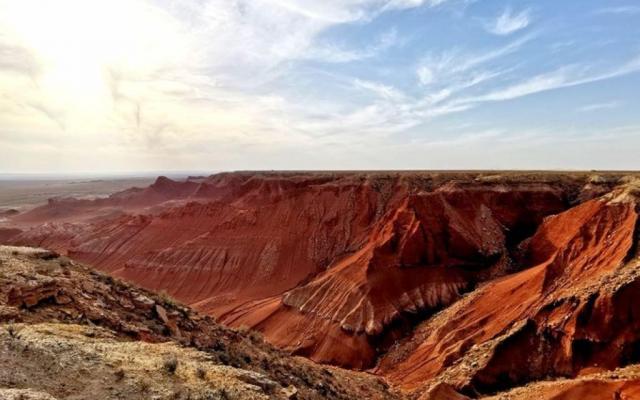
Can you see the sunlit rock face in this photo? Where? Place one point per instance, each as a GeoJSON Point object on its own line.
{"type": "Point", "coordinates": [480, 282]}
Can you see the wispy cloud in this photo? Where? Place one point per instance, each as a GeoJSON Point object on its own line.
{"type": "Point", "coordinates": [327, 12]}
{"type": "Point", "coordinates": [567, 76]}
{"type": "Point", "coordinates": [623, 10]}
{"type": "Point", "coordinates": [508, 22]}
{"type": "Point", "coordinates": [252, 80]}
{"type": "Point", "coordinates": [464, 72]}
{"type": "Point", "coordinates": [335, 54]}
{"type": "Point", "coordinates": [18, 59]}
{"type": "Point", "coordinates": [380, 90]}
{"type": "Point", "coordinates": [599, 106]}
{"type": "Point", "coordinates": [449, 65]}
{"type": "Point", "coordinates": [561, 45]}
{"type": "Point", "coordinates": [443, 77]}
{"type": "Point", "coordinates": [404, 4]}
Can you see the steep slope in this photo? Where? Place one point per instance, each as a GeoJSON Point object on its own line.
{"type": "Point", "coordinates": [75, 361]}
{"type": "Point", "coordinates": [69, 209]}
{"type": "Point", "coordinates": [421, 256]}
{"type": "Point", "coordinates": [116, 337]}
{"type": "Point", "coordinates": [445, 284]}
{"type": "Point", "coordinates": [569, 311]}
{"type": "Point", "coordinates": [266, 251]}
{"type": "Point", "coordinates": [622, 383]}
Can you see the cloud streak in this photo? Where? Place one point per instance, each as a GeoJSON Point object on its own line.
{"type": "Point", "coordinates": [334, 54]}
{"type": "Point", "coordinates": [599, 106]}
{"type": "Point", "coordinates": [621, 10]}
{"type": "Point", "coordinates": [236, 83]}
{"type": "Point", "coordinates": [508, 22]}
{"type": "Point", "coordinates": [567, 76]}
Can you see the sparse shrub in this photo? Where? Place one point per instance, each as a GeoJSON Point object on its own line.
{"type": "Point", "coordinates": [223, 357]}
{"type": "Point", "coordinates": [167, 299]}
{"type": "Point", "coordinates": [223, 395]}
{"type": "Point", "coordinates": [218, 346]}
{"type": "Point", "coordinates": [201, 373]}
{"type": "Point", "coordinates": [255, 336]}
{"type": "Point", "coordinates": [212, 394]}
{"type": "Point", "coordinates": [12, 330]}
{"type": "Point", "coordinates": [144, 386]}
{"type": "Point", "coordinates": [170, 364]}
{"type": "Point", "coordinates": [207, 394]}
{"type": "Point", "coordinates": [119, 374]}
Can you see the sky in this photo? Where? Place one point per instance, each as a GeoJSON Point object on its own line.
{"type": "Point", "coordinates": [207, 85]}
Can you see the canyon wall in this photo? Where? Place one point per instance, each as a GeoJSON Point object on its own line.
{"type": "Point", "coordinates": [474, 280]}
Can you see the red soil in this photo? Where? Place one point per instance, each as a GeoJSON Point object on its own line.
{"type": "Point", "coordinates": [594, 390]}
{"type": "Point", "coordinates": [576, 247]}
{"type": "Point", "coordinates": [339, 267]}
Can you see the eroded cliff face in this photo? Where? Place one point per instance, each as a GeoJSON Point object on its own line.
{"type": "Point", "coordinates": [567, 311]}
{"type": "Point", "coordinates": [475, 281]}
{"type": "Point", "coordinates": [418, 257]}
{"type": "Point", "coordinates": [70, 332]}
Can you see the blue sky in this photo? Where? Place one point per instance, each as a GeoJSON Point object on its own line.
{"type": "Point", "coordinates": [90, 86]}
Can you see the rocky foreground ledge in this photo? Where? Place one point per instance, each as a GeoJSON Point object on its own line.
{"type": "Point", "coordinates": [68, 332]}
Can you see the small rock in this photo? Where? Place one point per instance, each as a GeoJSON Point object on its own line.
{"type": "Point", "coordinates": [62, 299]}
{"type": "Point", "coordinates": [290, 392]}
{"type": "Point", "coordinates": [169, 323]}
{"type": "Point", "coordinates": [162, 313]}
{"type": "Point", "coordinates": [143, 302]}
{"type": "Point", "coordinates": [256, 379]}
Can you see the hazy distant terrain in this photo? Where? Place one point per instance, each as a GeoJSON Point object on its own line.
{"type": "Point", "coordinates": [22, 194]}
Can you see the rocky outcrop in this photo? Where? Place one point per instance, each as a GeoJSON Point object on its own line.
{"type": "Point", "coordinates": [568, 311]}
{"type": "Point", "coordinates": [445, 284]}
{"type": "Point", "coordinates": [355, 255]}
{"type": "Point", "coordinates": [76, 333]}
{"type": "Point", "coordinates": [622, 383]}
{"type": "Point", "coordinates": [418, 257]}
{"type": "Point", "coordinates": [60, 361]}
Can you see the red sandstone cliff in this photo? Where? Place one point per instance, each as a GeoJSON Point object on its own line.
{"type": "Point", "coordinates": [350, 268]}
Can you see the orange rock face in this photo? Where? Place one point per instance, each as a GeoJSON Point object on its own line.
{"type": "Point", "coordinates": [553, 318]}
{"type": "Point", "coordinates": [465, 280]}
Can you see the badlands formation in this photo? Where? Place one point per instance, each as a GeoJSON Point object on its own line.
{"type": "Point", "coordinates": [448, 285]}
{"type": "Point", "coordinates": [69, 332]}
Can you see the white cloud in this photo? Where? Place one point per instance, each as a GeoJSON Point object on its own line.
{"type": "Point", "coordinates": [507, 22]}
{"type": "Point", "coordinates": [334, 54]}
{"type": "Point", "coordinates": [403, 4]}
{"type": "Point", "coordinates": [539, 83]}
{"type": "Point", "coordinates": [425, 75]}
{"type": "Point", "coordinates": [443, 77]}
{"type": "Point", "coordinates": [624, 10]}
{"type": "Point", "coordinates": [599, 106]}
{"type": "Point", "coordinates": [454, 65]}
{"type": "Point", "coordinates": [563, 77]}
{"type": "Point", "coordinates": [151, 80]}
{"type": "Point", "coordinates": [381, 90]}
{"type": "Point", "coordinates": [164, 84]}
{"type": "Point", "coordinates": [326, 11]}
